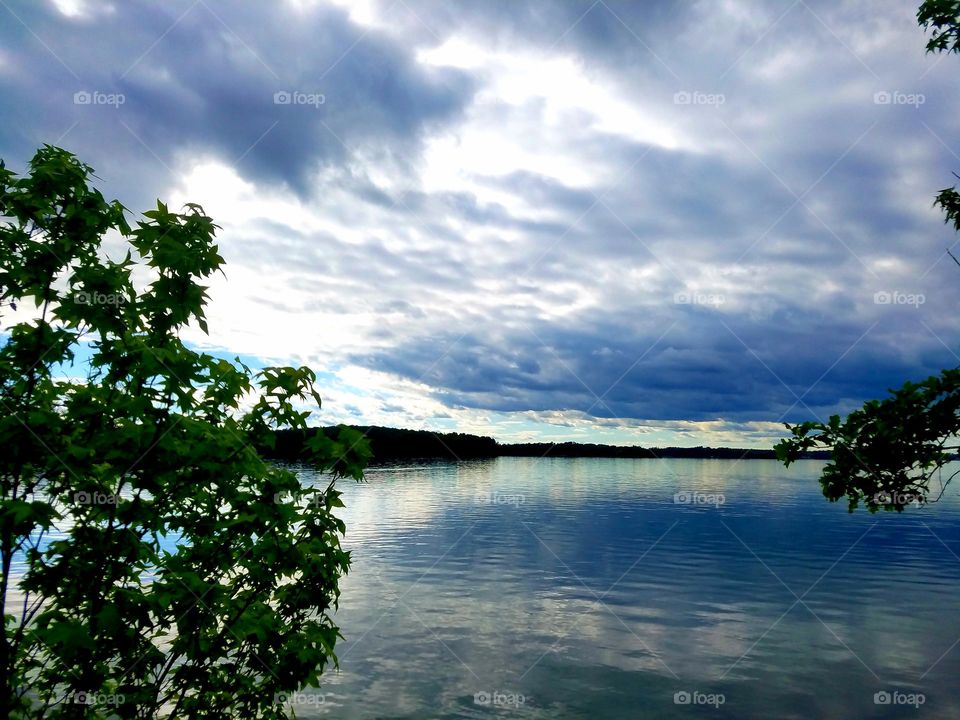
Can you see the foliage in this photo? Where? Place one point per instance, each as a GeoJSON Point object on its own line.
{"type": "Point", "coordinates": [153, 565]}
{"type": "Point", "coordinates": [943, 18]}
{"type": "Point", "coordinates": [391, 444]}
{"type": "Point", "coordinates": [886, 454]}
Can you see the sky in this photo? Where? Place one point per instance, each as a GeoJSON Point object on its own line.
{"type": "Point", "coordinates": [657, 223]}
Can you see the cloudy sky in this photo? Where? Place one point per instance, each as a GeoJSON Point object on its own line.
{"type": "Point", "coordinates": [664, 222]}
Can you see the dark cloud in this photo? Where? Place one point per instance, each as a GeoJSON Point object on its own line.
{"type": "Point", "coordinates": [705, 366]}
{"type": "Point", "coordinates": [199, 79]}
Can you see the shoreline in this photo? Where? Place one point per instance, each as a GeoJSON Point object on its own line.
{"type": "Point", "coordinates": [392, 444]}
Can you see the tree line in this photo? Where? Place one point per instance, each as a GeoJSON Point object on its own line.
{"type": "Point", "coordinates": [392, 444]}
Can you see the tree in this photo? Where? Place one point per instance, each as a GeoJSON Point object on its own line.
{"type": "Point", "coordinates": [887, 454]}
{"type": "Point", "coordinates": [942, 17]}
{"type": "Point", "coordinates": [152, 564]}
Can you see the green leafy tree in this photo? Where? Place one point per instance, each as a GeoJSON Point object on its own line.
{"type": "Point", "coordinates": [153, 565]}
{"type": "Point", "coordinates": [891, 452]}
{"type": "Point", "coordinates": [942, 18]}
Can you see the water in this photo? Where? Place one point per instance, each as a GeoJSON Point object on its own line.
{"type": "Point", "coordinates": [579, 588]}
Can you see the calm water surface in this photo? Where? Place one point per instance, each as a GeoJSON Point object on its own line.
{"type": "Point", "coordinates": [557, 588]}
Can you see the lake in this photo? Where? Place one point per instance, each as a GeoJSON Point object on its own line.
{"type": "Point", "coordinates": [611, 588]}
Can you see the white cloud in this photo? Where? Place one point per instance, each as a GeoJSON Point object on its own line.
{"type": "Point", "coordinates": [528, 116]}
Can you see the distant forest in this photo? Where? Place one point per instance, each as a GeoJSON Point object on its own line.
{"type": "Point", "coordinates": [393, 444]}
